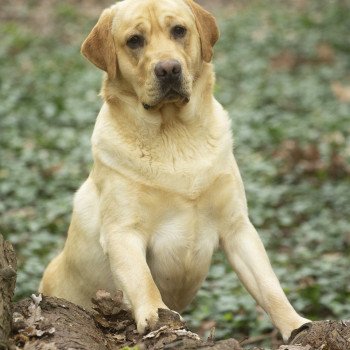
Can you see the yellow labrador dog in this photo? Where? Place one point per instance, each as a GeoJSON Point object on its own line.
{"type": "Point", "coordinates": [165, 190]}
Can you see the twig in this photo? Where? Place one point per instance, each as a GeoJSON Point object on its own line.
{"type": "Point", "coordinates": [259, 338]}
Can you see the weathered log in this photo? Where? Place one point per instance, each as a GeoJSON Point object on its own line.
{"type": "Point", "coordinates": [8, 266]}
{"type": "Point", "coordinates": [55, 324]}
{"type": "Point", "coordinates": [325, 335]}
{"type": "Point", "coordinates": [47, 323]}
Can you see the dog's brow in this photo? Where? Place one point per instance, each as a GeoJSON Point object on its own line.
{"type": "Point", "coordinates": [141, 25]}
{"type": "Point", "coordinates": [173, 18]}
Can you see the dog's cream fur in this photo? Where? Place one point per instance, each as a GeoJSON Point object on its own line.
{"type": "Point", "coordinates": [165, 190]}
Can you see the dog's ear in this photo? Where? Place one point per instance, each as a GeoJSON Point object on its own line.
{"type": "Point", "coordinates": [207, 28]}
{"type": "Point", "coordinates": [99, 46]}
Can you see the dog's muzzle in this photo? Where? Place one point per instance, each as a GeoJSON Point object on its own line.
{"type": "Point", "coordinates": [170, 79]}
{"type": "Point", "coordinates": [170, 82]}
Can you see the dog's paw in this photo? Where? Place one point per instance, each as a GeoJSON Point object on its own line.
{"type": "Point", "coordinates": [147, 318]}
{"type": "Point", "coordinates": [288, 330]}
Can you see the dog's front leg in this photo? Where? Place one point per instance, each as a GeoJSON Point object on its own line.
{"type": "Point", "coordinates": [248, 258]}
{"type": "Point", "coordinates": [127, 257]}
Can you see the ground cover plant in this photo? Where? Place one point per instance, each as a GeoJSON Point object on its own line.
{"type": "Point", "coordinates": [283, 73]}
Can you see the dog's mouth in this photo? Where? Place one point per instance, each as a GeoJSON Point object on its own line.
{"type": "Point", "coordinates": [170, 95]}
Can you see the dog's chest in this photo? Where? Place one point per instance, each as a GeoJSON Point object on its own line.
{"type": "Point", "coordinates": [180, 252]}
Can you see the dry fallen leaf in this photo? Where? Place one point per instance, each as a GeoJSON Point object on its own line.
{"type": "Point", "coordinates": [285, 60]}
{"type": "Point", "coordinates": [341, 92]}
{"type": "Point", "coordinates": [39, 346]}
{"type": "Point", "coordinates": [325, 53]}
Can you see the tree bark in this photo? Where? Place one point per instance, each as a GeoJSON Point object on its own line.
{"type": "Point", "coordinates": [8, 266]}
{"type": "Point", "coordinates": [48, 323]}
{"type": "Point", "coordinates": [53, 323]}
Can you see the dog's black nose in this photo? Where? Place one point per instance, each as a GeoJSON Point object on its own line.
{"type": "Point", "coordinates": [168, 70]}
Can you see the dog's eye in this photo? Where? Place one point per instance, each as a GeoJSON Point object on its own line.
{"type": "Point", "coordinates": [135, 42]}
{"type": "Point", "coordinates": [178, 32]}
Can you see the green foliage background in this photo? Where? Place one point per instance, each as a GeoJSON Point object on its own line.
{"type": "Point", "coordinates": [283, 72]}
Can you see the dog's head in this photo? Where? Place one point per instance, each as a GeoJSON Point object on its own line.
{"type": "Point", "coordinates": [153, 48]}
